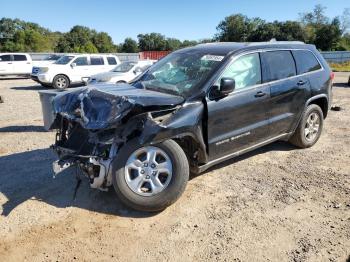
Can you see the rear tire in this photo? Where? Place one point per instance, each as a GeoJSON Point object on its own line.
{"type": "Point", "coordinates": [310, 127]}
{"type": "Point", "coordinates": [142, 192]}
{"type": "Point", "coordinates": [61, 82]}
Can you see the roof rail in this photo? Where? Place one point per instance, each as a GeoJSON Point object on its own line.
{"type": "Point", "coordinates": [274, 42]}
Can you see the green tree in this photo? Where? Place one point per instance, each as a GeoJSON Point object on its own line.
{"type": "Point", "coordinates": [316, 17]}
{"type": "Point", "coordinates": [89, 47]}
{"type": "Point", "coordinates": [172, 44]}
{"type": "Point", "coordinates": [328, 35]}
{"type": "Point", "coordinates": [290, 31]}
{"type": "Point", "coordinates": [17, 35]}
{"type": "Point", "coordinates": [187, 43]}
{"type": "Point", "coordinates": [237, 28]}
{"type": "Point", "coordinates": [264, 32]}
{"type": "Point", "coordinates": [206, 40]}
{"type": "Point", "coordinates": [320, 31]}
{"type": "Point", "coordinates": [152, 42]}
{"type": "Point", "coordinates": [103, 42]}
{"type": "Point", "coordinates": [344, 43]}
{"type": "Point", "coordinates": [82, 39]}
{"type": "Point", "coordinates": [129, 46]}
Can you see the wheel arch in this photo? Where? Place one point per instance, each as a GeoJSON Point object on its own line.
{"type": "Point", "coordinates": [194, 149]}
{"type": "Point", "coordinates": [321, 101]}
{"type": "Point", "coordinates": [191, 143]}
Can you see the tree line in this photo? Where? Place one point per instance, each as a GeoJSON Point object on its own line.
{"type": "Point", "coordinates": [312, 27]}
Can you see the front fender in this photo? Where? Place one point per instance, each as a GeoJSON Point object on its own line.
{"type": "Point", "coordinates": [183, 122]}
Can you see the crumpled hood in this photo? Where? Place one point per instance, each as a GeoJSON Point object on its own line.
{"type": "Point", "coordinates": [106, 105]}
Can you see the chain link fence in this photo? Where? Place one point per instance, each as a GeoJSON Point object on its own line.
{"type": "Point", "coordinates": [336, 56]}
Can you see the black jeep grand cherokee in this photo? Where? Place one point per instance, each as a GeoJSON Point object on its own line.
{"type": "Point", "coordinates": [193, 109]}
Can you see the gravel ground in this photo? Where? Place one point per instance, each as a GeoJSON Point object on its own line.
{"type": "Point", "coordinates": [277, 203]}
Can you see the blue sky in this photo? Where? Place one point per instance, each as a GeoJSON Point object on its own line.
{"type": "Point", "coordinates": [175, 18]}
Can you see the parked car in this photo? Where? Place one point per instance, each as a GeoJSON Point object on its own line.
{"type": "Point", "coordinates": [15, 64]}
{"type": "Point", "coordinates": [71, 69]}
{"type": "Point", "coordinates": [50, 59]}
{"type": "Point", "coordinates": [193, 109]}
{"type": "Point", "coordinates": [124, 72]}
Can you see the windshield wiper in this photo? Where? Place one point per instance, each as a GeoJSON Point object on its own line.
{"type": "Point", "coordinates": [161, 89]}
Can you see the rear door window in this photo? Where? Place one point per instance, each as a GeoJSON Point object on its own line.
{"type": "Point", "coordinates": [81, 61]}
{"type": "Point", "coordinates": [5, 58]}
{"type": "Point", "coordinates": [96, 60]}
{"type": "Point", "coordinates": [306, 61]}
{"type": "Point", "coordinates": [111, 60]}
{"type": "Point", "coordinates": [19, 58]}
{"type": "Point", "coordinates": [277, 65]}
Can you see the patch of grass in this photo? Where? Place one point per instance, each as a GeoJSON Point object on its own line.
{"type": "Point", "coordinates": [342, 67]}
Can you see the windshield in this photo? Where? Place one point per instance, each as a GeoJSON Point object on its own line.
{"type": "Point", "coordinates": [124, 67]}
{"type": "Point", "coordinates": [180, 73]}
{"type": "Point", "coordinates": [64, 60]}
{"type": "Point", "coordinates": [51, 57]}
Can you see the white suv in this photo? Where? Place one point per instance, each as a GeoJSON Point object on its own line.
{"type": "Point", "coordinates": [15, 64]}
{"type": "Point", "coordinates": [71, 69]}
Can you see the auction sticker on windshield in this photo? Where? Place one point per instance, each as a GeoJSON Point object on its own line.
{"type": "Point", "coordinates": [213, 58]}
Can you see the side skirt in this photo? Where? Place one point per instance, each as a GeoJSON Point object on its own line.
{"type": "Point", "coordinates": [214, 162]}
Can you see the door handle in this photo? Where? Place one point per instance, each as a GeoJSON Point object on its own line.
{"type": "Point", "coordinates": [260, 94]}
{"type": "Point", "coordinates": [9, 63]}
{"type": "Point", "coordinates": [301, 83]}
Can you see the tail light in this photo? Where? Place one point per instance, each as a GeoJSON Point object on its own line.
{"type": "Point", "coordinates": [332, 76]}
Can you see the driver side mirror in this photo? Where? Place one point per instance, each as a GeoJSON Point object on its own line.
{"type": "Point", "coordinates": [227, 85]}
{"type": "Point", "coordinates": [73, 65]}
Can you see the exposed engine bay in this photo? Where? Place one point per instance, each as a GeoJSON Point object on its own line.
{"type": "Point", "coordinates": [74, 146]}
{"type": "Point", "coordinates": [93, 122]}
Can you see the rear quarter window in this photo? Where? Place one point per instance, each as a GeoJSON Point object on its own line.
{"type": "Point", "coordinates": [306, 61]}
{"type": "Point", "coordinates": [277, 65]}
{"type": "Point", "coordinates": [111, 60]}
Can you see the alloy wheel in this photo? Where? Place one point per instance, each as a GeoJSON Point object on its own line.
{"type": "Point", "coordinates": [148, 171]}
{"type": "Point", "coordinates": [61, 82]}
{"type": "Point", "coordinates": [312, 127]}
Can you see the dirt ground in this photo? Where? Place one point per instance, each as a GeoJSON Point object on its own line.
{"type": "Point", "coordinates": [277, 203]}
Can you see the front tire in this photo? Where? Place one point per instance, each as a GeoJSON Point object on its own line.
{"type": "Point", "coordinates": [150, 178]}
{"type": "Point", "coordinates": [310, 127]}
{"type": "Point", "coordinates": [61, 82]}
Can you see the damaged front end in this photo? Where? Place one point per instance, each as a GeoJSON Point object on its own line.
{"type": "Point", "coordinates": [77, 146]}
{"type": "Point", "coordinates": [93, 122]}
